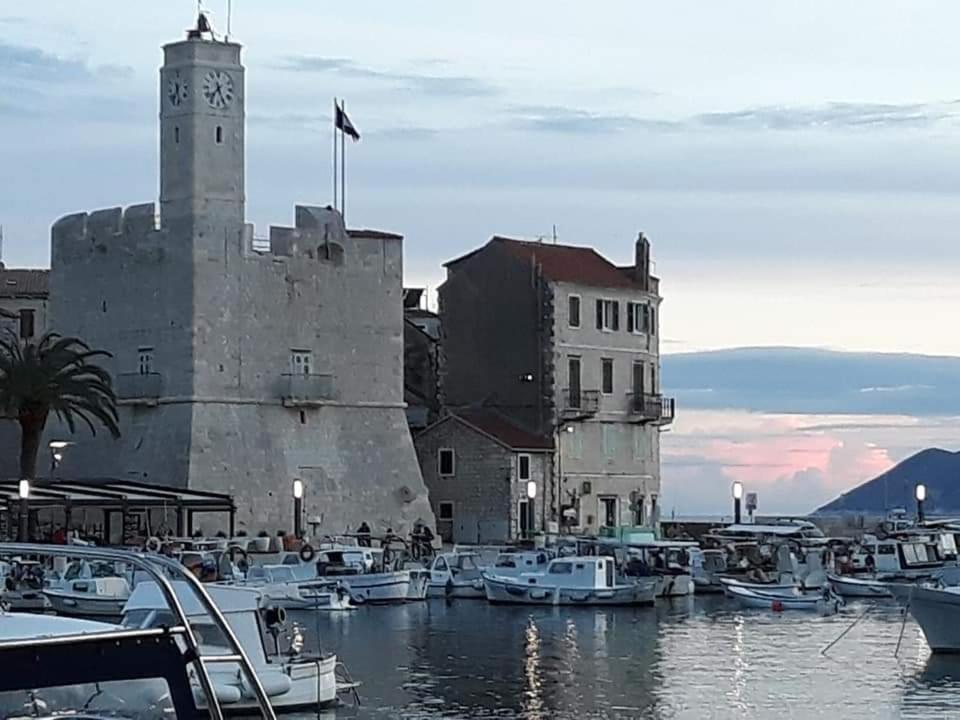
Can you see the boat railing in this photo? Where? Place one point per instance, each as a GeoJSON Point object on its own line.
{"type": "Point", "coordinates": [154, 566]}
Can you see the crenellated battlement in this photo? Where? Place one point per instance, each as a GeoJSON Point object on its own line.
{"type": "Point", "coordinates": [100, 232]}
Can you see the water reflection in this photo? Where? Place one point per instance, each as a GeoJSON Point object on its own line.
{"type": "Point", "coordinates": [694, 658]}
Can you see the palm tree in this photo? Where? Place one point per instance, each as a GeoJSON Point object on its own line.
{"type": "Point", "coordinates": [53, 374]}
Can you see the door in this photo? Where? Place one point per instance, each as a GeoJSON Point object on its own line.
{"type": "Point", "coordinates": [637, 383]}
{"type": "Point", "coordinates": [573, 375]}
{"type": "Point", "coordinates": [609, 566]}
{"type": "Point", "coordinates": [523, 508]}
{"type": "Point", "coordinates": [608, 511]}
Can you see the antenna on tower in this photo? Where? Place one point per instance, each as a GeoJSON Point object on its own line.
{"type": "Point", "coordinates": [229, 19]}
{"type": "Point", "coordinates": [554, 233]}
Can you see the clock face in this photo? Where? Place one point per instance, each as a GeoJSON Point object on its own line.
{"type": "Point", "coordinates": [177, 90]}
{"type": "Point", "coordinates": [218, 89]}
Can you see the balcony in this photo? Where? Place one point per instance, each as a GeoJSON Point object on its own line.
{"type": "Point", "coordinates": [139, 388]}
{"type": "Point", "coordinates": [655, 409]}
{"type": "Point", "coordinates": [577, 404]}
{"type": "Point", "coordinates": [302, 390]}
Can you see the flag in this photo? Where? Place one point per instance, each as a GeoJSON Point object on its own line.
{"type": "Point", "coordinates": [343, 123]}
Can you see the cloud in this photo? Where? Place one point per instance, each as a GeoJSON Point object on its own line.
{"type": "Point", "coordinates": [34, 65]}
{"type": "Point", "coordinates": [553, 118]}
{"type": "Point", "coordinates": [835, 115]}
{"type": "Point", "coordinates": [439, 86]}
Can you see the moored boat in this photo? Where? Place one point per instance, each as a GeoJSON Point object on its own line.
{"type": "Point", "coordinates": [456, 575]}
{"type": "Point", "coordinates": [848, 586]}
{"type": "Point", "coordinates": [570, 581]}
{"type": "Point", "coordinates": [824, 601]}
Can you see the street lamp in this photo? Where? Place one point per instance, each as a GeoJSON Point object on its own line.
{"type": "Point", "coordinates": [531, 515]}
{"type": "Point", "coordinates": [920, 492]}
{"type": "Point", "coordinates": [737, 497]}
{"type": "Point", "coordinates": [57, 448]}
{"type": "Point", "coordinates": [24, 491]}
{"type": "Point", "coordinates": [298, 508]}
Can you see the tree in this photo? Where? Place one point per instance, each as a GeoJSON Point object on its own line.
{"type": "Point", "coordinates": [53, 374]}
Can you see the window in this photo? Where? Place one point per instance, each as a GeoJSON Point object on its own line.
{"type": "Point", "coordinates": [640, 318]}
{"type": "Point", "coordinates": [145, 360]}
{"type": "Point", "coordinates": [561, 568]}
{"type": "Point", "coordinates": [573, 378]}
{"type": "Point", "coordinates": [886, 550]}
{"type": "Point", "coordinates": [608, 511]}
{"type": "Point", "coordinates": [445, 510]}
{"type": "Point", "coordinates": [176, 135]}
{"type": "Point", "coordinates": [27, 323]}
{"type": "Point", "coordinates": [609, 439]}
{"type": "Point", "coordinates": [608, 315]}
{"type": "Point", "coordinates": [606, 367]}
{"type": "Point", "coordinates": [653, 508]}
{"type": "Point", "coordinates": [446, 462]}
{"type": "Point", "coordinates": [301, 362]}
{"type": "Point", "coordinates": [573, 311]}
{"type": "Point", "coordinates": [653, 379]}
{"type": "Point", "coordinates": [523, 467]}
{"type": "Point", "coordinates": [642, 443]}
{"type": "Point", "coordinates": [219, 135]}
{"type": "Point", "coordinates": [640, 510]}
{"type": "Point", "coordinates": [574, 441]}
{"type": "Point", "coordinates": [638, 386]}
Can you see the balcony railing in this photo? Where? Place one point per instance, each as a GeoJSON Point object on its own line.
{"type": "Point", "coordinates": [139, 388]}
{"type": "Point", "coordinates": [579, 403]}
{"type": "Point", "coordinates": [300, 389]}
{"type": "Point", "coordinates": [652, 408]}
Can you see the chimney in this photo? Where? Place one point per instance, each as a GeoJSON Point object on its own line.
{"type": "Point", "coordinates": [642, 262]}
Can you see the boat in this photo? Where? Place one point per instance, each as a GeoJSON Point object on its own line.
{"type": "Point", "coordinates": [937, 612]}
{"type": "Point", "coordinates": [291, 681]}
{"type": "Point", "coordinates": [456, 575]}
{"type": "Point", "coordinates": [669, 562]}
{"type": "Point", "coordinates": [853, 587]}
{"type": "Point", "coordinates": [280, 588]}
{"type": "Point", "coordinates": [913, 554]}
{"type": "Point", "coordinates": [823, 601]}
{"type": "Point", "coordinates": [779, 589]}
{"type": "Point", "coordinates": [362, 570]}
{"type": "Point", "coordinates": [419, 583]}
{"type": "Point", "coordinates": [55, 667]}
{"type": "Point", "coordinates": [83, 593]}
{"type": "Point", "coordinates": [570, 581]}
{"type": "Point", "coordinates": [21, 586]}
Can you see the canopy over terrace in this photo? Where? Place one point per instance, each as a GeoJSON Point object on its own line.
{"type": "Point", "coordinates": [127, 507]}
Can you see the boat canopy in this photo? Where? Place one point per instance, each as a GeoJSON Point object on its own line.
{"type": "Point", "coordinates": [28, 626]}
{"type": "Point", "coordinates": [229, 598]}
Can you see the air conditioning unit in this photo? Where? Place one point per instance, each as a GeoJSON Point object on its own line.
{"type": "Point", "coordinates": [587, 487]}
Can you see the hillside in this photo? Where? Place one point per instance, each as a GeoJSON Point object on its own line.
{"type": "Point", "coordinates": [938, 469]}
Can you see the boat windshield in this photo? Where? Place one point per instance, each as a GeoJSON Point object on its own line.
{"type": "Point", "coordinates": [138, 699]}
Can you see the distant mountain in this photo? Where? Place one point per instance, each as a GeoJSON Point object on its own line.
{"type": "Point", "coordinates": [938, 469]}
{"type": "Point", "coordinates": [811, 380]}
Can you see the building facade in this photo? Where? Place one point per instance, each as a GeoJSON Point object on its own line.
{"type": "Point", "coordinates": [24, 299]}
{"type": "Point", "coordinates": [566, 344]}
{"type": "Point", "coordinates": [241, 368]}
{"type": "Point", "coordinates": [479, 467]}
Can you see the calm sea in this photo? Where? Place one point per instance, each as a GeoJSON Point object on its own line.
{"type": "Point", "coordinates": [693, 658]}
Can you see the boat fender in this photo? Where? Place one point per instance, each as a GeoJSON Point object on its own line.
{"type": "Point", "coordinates": [359, 597]}
{"type": "Point", "coordinates": [275, 616]}
{"type": "Point", "coordinates": [153, 544]}
{"type": "Point", "coordinates": [776, 606]}
{"type": "Point", "coordinates": [307, 553]}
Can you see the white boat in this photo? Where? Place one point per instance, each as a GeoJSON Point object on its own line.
{"type": "Point", "coordinates": [361, 570]}
{"type": "Point", "coordinates": [847, 586]}
{"type": "Point", "coordinates": [280, 588]}
{"type": "Point", "coordinates": [822, 601]}
{"type": "Point", "coordinates": [788, 589]}
{"type": "Point", "coordinates": [89, 597]}
{"type": "Point", "coordinates": [21, 586]}
{"type": "Point", "coordinates": [670, 563]}
{"type": "Point", "coordinates": [937, 611]}
{"type": "Point", "coordinates": [456, 575]}
{"type": "Point", "coordinates": [292, 682]}
{"type": "Point", "coordinates": [570, 581]}
{"type": "Point", "coordinates": [419, 584]}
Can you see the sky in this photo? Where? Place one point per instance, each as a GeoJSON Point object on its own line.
{"type": "Point", "coordinates": [795, 164]}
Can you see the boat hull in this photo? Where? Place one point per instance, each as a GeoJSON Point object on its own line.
{"type": "Point", "coordinates": [937, 612]}
{"type": "Point", "coordinates": [674, 585]}
{"type": "Point", "coordinates": [472, 590]}
{"type": "Point", "coordinates": [378, 588]}
{"type": "Point", "coordinates": [78, 604]}
{"type": "Point", "coordinates": [752, 599]}
{"type": "Point", "coordinates": [305, 685]}
{"type": "Point", "coordinates": [419, 585]}
{"type": "Point", "coordinates": [501, 590]}
{"type": "Point", "coordinates": [858, 588]}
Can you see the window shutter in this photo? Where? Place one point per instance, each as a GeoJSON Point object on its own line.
{"type": "Point", "coordinates": [616, 314]}
{"type": "Point", "coordinates": [653, 319]}
{"type": "Point", "coordinates": [630, 324]}
{"type": "Point", "coordinates": [646, 319]}
{"type": "Point", "coordinates": [599, 314]}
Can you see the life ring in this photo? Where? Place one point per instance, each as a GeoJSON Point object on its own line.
{"type": "Point", "coordinates": [307, 553]}
{"type": "Point", "coordinates": [153, 544]}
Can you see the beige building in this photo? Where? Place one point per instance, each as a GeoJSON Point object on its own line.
{"type": "Point", "coordinates": [566, 344]}
{"type": "Point", "coordinates": [23, 301]}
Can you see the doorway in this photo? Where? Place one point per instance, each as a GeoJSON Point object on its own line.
{"type": "Point", "coordinates": [608, 511]}
{"type": "Point", "coordinates": [523, 510]}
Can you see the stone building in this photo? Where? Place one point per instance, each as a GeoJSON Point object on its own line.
{"type": "Point", "coordinates": [421, 358]}
{"type": "Point", "coordinates": [477, 465]}
{"type": "Point", "coordinates": [566, 344]}
{"type": "Point", "coordinates": [240, 369]}
{"type": "Point", "coordinates": [24, 296]}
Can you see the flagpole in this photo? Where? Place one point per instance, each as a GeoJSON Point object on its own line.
{"type": "Point", "coordinates": [343, 165]}
{"type": "Point", "coordinates": [334, 153]}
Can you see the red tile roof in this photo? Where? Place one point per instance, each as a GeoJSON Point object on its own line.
{"type": "Point", "coordinates": [24, 283]}
{"type": "Point", "coordinates": [503, 430]}
{"type": "Point", "coordinates": [564, 263]}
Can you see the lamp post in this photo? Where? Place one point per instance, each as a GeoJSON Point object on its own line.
{"type": "Point", "coordinates": [24, 511]}
{"type": "Point", "coordinates": [737, 497]}
{"type": "Point", "coordinates": [298, 508]}
{"type": "Point", "coordinates": [57, 448]}
{"type": "Point", "coordinates": [920, 492]}
{"type": "Point", "coordinates": [531, 513]}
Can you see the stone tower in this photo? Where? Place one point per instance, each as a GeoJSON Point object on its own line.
{"type": "Point", "coordinates": [238, 368]}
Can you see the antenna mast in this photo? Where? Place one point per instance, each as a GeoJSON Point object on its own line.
{"type": "Point", "coordinates": [229, 18]}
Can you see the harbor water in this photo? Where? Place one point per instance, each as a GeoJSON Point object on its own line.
{"type": "Point", "coordinates": [690, 658]}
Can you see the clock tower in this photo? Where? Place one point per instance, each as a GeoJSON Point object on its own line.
{"type": "Point", "coordinates": [202, 133]}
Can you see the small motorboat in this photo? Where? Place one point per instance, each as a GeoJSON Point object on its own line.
{"type": "Point", "coordinates": [785, 589]}
{"type": "Point", "coordinates": [456, 575]}
{"type": "Point", "coordinates": [571, 581]}
{"type": "Point", "coordinates": [88, 590]}
{"type": "Point", "coordinates": [280, 588]}
{"type": "Point", "coordinates": [823, 601]}
{"type": "Point", "coordinates": [847, 586]}
{"type": "Point", "coordinates": [21, 586]}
